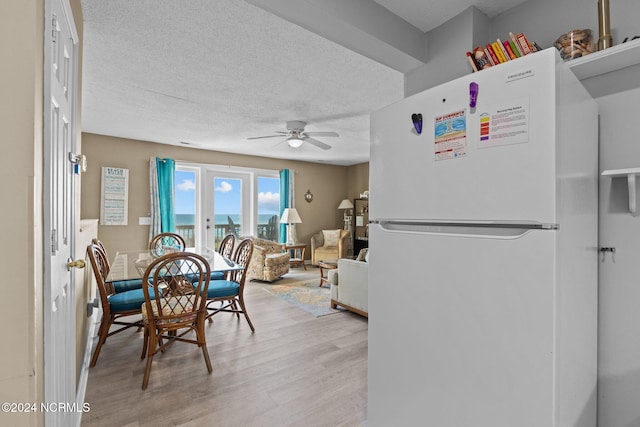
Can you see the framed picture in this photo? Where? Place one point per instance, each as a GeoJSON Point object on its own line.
{"type": "Point", "coordinates": [359, 220]}
{"type": "Point", "coordinates": [114, 196]}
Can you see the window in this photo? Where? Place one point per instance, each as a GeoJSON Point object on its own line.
{"type": "Point", "coordinates": [211, 201]}
{"type": "Point", "coordinates": [185, 204]}
{"type": "Point", "coordinates": [268, 207]}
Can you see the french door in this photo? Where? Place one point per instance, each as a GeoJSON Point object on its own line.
{"type": "Point", "coordinates": [228, 206]}
{"type": "Point", "coordinates": [212, 201]}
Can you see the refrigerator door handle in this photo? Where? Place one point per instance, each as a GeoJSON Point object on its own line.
{"type": "Point", "coordinates": [488, 229]}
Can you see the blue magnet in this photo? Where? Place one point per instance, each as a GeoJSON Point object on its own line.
{"type": "Point", "coordinates": [416, 118]}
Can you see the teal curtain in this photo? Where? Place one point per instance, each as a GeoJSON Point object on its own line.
{"type": "Point", "coordinates": [154, 230]}
{"type": "Point", "coordinates": [166, 169]}
{"type": "Point", "coordinates": [285, 200]}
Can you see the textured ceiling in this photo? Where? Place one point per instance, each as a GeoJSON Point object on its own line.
{"type": "Point", "coordinates": [214, 73]}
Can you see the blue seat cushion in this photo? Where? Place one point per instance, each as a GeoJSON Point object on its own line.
{"type": "Point", "coordinates": [222, 288]}
{"type": "Point", "coordinates": [128, 300]}
{"type": "Point", "coordinates": [217, 275]}
{"type": "Point", "coordinates": [126, 285]}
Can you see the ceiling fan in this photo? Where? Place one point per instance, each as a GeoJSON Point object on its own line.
{"type": "Point", "coordinates": [295, 135]}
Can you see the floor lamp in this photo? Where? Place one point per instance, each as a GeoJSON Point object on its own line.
{"type": "Point", "coordinates": [346, 205]}
{"type": "Point", "coordinates": [291, 218]}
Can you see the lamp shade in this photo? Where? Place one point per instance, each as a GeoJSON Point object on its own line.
{"type": "Point", "coordinates": [290, 216]}
{"type": "Point", "coordinates": [294, 141]}
{"type": "Point", "coordinates": [346, 204]}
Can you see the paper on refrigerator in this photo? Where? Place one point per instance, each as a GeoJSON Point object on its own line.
{"type": "Point", "coordinates": [450, 131]}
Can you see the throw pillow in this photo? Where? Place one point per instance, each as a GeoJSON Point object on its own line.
{"type": "Point", "coordinates": [362, 255]}
{"type": "Point", "coordinates": [331, 237]}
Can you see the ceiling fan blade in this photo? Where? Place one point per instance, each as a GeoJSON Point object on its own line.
{"type": "Point", "coordinates": [269, 136]}
{"type": "Point", "coordinates": [332, 134]}
{"type": "Point", "coordinates": [317, 143]}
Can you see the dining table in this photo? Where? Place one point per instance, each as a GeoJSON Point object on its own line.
{"type": "Point", "coordinates": [130, 265]}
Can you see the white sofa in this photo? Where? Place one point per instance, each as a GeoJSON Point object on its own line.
{"type": "Point", "coordinates": [350, 286]}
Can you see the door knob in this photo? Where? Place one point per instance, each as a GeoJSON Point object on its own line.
{"type": "Point", "coordinates": [79, 263]}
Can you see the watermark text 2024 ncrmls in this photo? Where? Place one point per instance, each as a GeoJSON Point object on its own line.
{"type": "Point", "coordinates": [21, 407]}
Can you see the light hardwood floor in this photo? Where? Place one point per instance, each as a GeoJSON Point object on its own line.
{"type": "Point", "coordinates": [295, 370]}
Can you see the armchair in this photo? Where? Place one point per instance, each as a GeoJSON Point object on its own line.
{"type": "Point", "coordinates": [329, 244]}
{"type": "Point", "coordinates": [268, 261]}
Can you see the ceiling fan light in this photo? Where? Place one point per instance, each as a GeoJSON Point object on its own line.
{"type": "Point", "coordinates": [294, 141]}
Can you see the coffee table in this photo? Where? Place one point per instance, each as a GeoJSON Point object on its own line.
{"type": "Point", "coordinates": [329, 264]}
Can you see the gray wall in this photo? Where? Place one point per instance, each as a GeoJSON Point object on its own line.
{"type": "Point", "coordinates": [446, 47]}
{"type": "Point", "coordinates": [619, 287]}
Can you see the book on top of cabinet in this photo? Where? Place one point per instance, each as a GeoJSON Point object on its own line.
{"type": "Point", "coordinates": [499, 51]}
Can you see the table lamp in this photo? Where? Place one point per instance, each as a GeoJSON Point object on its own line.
{"type": "Point", "coordinates": [290, 217]}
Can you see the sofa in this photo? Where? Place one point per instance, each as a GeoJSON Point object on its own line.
{"type": "Point", "coordinates": [350, 285]}
{"type": "Point", "coordinates": [268, 262]}
{"type": "Point", "coordinates": [329, 245]}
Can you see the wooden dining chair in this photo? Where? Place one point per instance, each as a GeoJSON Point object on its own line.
{"type": "Point", "coordinates": [165, 243]}
{"type": "Point", "coordinates": [174, 305]}
{"type": "Point", "coordinates": [115, 305]}
{"type": "Point", "coordinates": [118, 285]}
{"type": "Point", "coordinates": [230, 291]}
{"type": "Point", "coordinates": [95, 241]}
{"type": "Point", "coordinates": [225, 248]}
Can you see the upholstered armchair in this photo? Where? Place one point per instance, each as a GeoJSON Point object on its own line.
{"type": "Point", "coordinates": [329, 244]}
{"type": "Point", "coordinates": [268, 261]}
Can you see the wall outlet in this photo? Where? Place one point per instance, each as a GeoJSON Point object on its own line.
{"type": "Point", "coordinates": [144, 220]}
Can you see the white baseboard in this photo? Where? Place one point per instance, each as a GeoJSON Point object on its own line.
{"type": "Point", "coordinates": [81, 389]}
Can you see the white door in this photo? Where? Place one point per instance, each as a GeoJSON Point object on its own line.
{"type": "Point", "coordinates": [59, 210]}
{"type": "Point", "coordinates": [227, 205]}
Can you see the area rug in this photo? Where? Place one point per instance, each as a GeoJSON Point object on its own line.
{"type": "Point", "coordinates": [306, 295]}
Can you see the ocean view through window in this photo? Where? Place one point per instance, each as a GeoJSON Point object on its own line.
{"type": "Point", "coordinates": [268, 207]}
{"type": "Point", "coordinates": [185, 204]}
{"type": "Point", "coordinates": [212, 201]}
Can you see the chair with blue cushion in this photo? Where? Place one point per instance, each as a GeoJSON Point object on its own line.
{"type": "Point", "coordinates": [226, 246]}
{"type": "Point", "coordinates": [175, 305]}
{"type": "Point", "coordinates": [226, 250]}
{"type": "Point", "coordinates": [115, 306]}
{"type": "Point", "coordinates": [117, 285]}
{"type": "Point", "coordinates": [231, 290]}
{"type": "Point", "coordinates": [165, 243]}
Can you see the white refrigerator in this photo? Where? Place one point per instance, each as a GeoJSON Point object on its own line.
{"type": "Point", "coordinates": [483, 252]}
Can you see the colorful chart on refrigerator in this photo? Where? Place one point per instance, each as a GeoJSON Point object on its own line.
{"type": "Point", "coordinates": [505, 124]}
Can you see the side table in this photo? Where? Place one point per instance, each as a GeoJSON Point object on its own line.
{"type": "Point", "coordinates": [297, 253]}
{"type": "Point", "coordinates": [326, 265]}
